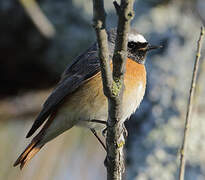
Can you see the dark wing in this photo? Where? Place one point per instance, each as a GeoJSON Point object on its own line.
{"type": "Point", "coordinates": [83, 68]}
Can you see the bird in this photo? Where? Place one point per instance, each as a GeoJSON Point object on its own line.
{"type": "Point", "coordinates": [78, 99]}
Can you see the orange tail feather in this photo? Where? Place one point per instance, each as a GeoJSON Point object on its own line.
{"type": "Point", "coordinates": [28, 153]}
{"type": "Point", "coordinates": [34, 146]}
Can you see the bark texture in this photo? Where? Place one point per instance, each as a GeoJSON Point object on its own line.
{"type": "Point", "coordinates": [113, 83]}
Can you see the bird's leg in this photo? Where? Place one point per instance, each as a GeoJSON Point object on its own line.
{"type": "Point", "coordinates": [98, 121]}
{"type": "Point", "coordinates": [99, 139]}
{"type": "Point", "coordinates": [124, 131]}
{"type": "Point", "coordinates": [104, 131]}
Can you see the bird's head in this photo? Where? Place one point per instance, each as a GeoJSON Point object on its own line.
{"type": "Point", "coordinates": [137, 46]}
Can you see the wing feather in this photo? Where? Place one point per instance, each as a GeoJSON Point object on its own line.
{"type": "Point", "coordinates": [83, 67]}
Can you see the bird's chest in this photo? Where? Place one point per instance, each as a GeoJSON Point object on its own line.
{"type": "Point", "coordinates": [135, 83]}
{"type": "Point", "coordinates": [89, 101]}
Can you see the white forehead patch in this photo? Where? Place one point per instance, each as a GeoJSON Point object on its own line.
{"type": "Point", "coordinates": [137, 38]}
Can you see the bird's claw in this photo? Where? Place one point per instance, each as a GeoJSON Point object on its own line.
{"type": "Point", "coordinates": [125, 132]}
{"type": "Point", "coordinates": [104, 132]}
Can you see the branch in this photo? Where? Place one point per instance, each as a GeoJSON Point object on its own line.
{"type": "Point", "coordinates": [115, 139]}
{"type": "Point", "coordinates": [113, 83]}
{"type": "Point", "coordinates": [189, 107]}
{"type": "Point", "coordinates": [117, 7]}
{"type": "Point", "coordinates": [99, 24]}
{"type": "Point", "coordinates": [125, 14]}
{"type": "Point", "coordinates": [39, 19]}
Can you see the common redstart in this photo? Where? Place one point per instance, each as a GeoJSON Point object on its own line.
{"type": "Point", "coordinates": [78, 99]}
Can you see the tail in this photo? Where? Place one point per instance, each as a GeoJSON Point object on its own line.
{"type": "Point", "coordinates": [28, 153]}
{"type": "Point", "coordinates": [34, 146]}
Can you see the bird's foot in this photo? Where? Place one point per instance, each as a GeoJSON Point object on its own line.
{"type": "Point", "coordinates": [122, 136]}
{"type": "Point", "coordinates": [104, 132]}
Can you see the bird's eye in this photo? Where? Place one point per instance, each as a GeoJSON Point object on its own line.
{"type": "Point", "coordinates": [131, 44]}
{"type": "Point", "coordinates": [136, 45]}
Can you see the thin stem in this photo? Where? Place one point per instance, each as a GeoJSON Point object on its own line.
{"type": "Point", "coordinates": [99, 18]}
{"type": "Point", "coordinates": [189, 107]}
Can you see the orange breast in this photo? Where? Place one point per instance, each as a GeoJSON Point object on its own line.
{"type": "Point", "coordinates": [91, 93]}
{"type": "Point", "coordinates": [89, 102]}
{"type": "Point", "coordinates": [135, 76]}
{"type": "Point", "coordinates": [135, 82]}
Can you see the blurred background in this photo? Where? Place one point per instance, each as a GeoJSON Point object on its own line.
{"type": "Point", "coordinates": [39, 38]}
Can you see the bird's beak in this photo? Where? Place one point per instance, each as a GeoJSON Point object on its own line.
{"type": "Point", "coordinates": [151, 47]}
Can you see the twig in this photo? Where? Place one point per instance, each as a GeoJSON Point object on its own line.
{"type": "Point", "coordinates": [189, 107]}
{"type": "Point", "coordinates": [39, 19]}
{"type": "Point", "coordinates": [99, 24]}
{"type": "Point", "coordinates": [117, 7]}
{"type": "Point", "coordinates": [199, 79]}
{"type": "Point", "coordinates": [125, 14]}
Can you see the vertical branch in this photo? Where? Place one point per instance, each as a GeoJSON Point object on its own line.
{"type": "Point", "coordinates": [113, 83]}
{"type": "Point", "coordinates": [99, 23]}
{"type": "Point", "coordinates": [125, 14]}
{"type": "Point", "coordinates": [189, 107]}
{"type": "Point", "coordinates": [115, 139]}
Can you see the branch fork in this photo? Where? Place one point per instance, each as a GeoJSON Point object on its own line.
{"type": "Point", "coordinates": [113, 81]}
